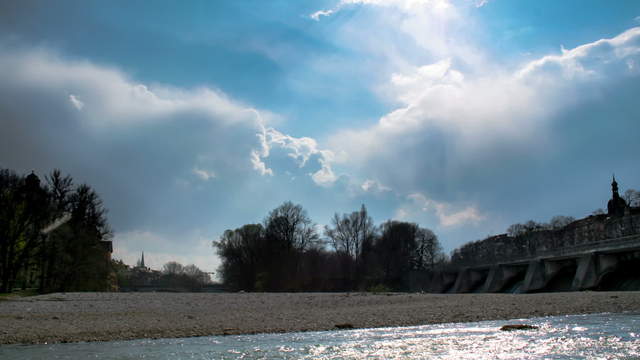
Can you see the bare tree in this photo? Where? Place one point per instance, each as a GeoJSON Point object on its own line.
{"type": "Point", "coordinates": [560, 221]}
{"type": "Point", "coordinates": [350, 231]}
{"type": "Point", "coordinates": [290, 225]}
{"type": "Point", "coordinates": [60, 188]}
{"type": "Point", "coordinates": [172, 268]}
{"type": "Point", "coordinates": [516, 230]}
{"type": "Point", "coordinates": [632, 197]}
{"type": "Point", "coordinates": [428, 251]}
{"type": "Point", "coordinates": [521, 229]}
{"type": "Point", "coordinates": [348, 235]}
{"type": "Point", "coordinates": [196, 275]}
{"type": "Point", "coordinates": [289, 232]}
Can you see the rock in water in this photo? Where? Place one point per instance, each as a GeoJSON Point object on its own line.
{"type": "Point", "coordinates": [344, 326]}
{"type": "Point", "coordinates": [512, 327]}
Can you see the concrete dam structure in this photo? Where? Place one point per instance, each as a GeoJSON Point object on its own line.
{"type": "Point", "coordinates": [597, 252]}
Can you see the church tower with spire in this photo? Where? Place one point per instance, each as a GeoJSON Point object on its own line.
{"type": "Point", "coordinates": [140, 264]}
{"type": "Point", "coordinates": [616, 205]}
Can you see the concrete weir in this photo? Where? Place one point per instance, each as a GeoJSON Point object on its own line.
{"type": "Point", "coordinates": [501, 276]}
{"type": "Point", "coordinates": [579, 271]}
{"type": "Point", "coordinates": [470, 279]}
{"type": "Point", "coordinates": [597, 252]}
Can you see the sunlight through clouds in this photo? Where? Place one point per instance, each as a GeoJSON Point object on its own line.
{"type": "Point", "coordinates": [452, 113]}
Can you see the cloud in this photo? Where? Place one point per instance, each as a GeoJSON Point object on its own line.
{"type": "Point", "coordinates": [299, 149]}
{"type": "Point", "coordinates": [76, 102]}
{"type": "Point", "coordinates": [112, 98]}
{"type": "Point", "coordinates": [259, 165]}
{"type": "Point", "coordinates": [451, 122]}
{"type": "Point", "coordinates": [316, 15]}
{"type": "Point", "coordinates": [325, 176]}
{"type": "Point", "coordinates": [374, 186]}
{"type": "Point", "coordinates": [400, 32]}
{"type": "Point", "coordinates": [593, 61]}
{"type": "Point", "coordinates": [461, 124]}
{"type": "Point", "coordinates": [203, 174]}
{"type": "Point", "coordinates": [405, 5]}
{"type": "Point", "coordinates": [138, 145]}
{"type": "Point", "coordinates": [447, 214]}
{"type": "Point", "coordinates": [111, 101]}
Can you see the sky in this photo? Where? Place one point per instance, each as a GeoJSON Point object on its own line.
{"type": "Point", "coordinates": [192, 117]}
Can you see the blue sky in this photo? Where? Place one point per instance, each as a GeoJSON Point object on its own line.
{"type": "Point", "coordinates": [190, 118]}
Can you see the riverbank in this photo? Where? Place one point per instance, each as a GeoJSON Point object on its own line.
{"type": "Point", "coordinates": [71, 317]}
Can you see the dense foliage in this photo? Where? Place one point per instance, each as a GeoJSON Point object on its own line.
{"type": "Point", "coordinates": [74, 256]}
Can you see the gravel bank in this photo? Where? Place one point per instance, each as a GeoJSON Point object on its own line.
{"type": "Point", "coordinates": [66, 317]}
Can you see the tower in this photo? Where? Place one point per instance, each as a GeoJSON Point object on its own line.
{"type": "Point", "coordinates": [140, 263]}
{"type": "Point", "coordinates": [616, 205]}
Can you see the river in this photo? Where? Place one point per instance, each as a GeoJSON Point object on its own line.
{"type": "Point", "coordinates": [600, 336]}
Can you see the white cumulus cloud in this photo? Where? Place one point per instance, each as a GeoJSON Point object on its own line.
{"type": "Point", "coordinates": [449, 120]}
{"type": "Point", "coordinates": [299, 149]}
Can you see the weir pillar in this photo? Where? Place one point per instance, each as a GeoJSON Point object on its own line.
{"type": "Point", "coordinates": [442, 281]}
{"type": "Point", "coordinates": [591, 268]}
{"type": "Point", "coordinates": [539, 272]}
{"type": "Point", "coordinates": [468, 279]}
{"type": "Point", "coordinates": [587, 273]}
{"type": "Point", "coordinates": [534, 279]}
{"type": "Point", "coordinates": [499, 276]}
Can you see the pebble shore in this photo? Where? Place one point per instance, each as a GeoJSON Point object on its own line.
{"type": "Point", "coordinates": [72, 317]}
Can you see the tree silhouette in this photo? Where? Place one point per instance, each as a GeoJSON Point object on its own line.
{"type": "Point", "coordinates": [347, 235]}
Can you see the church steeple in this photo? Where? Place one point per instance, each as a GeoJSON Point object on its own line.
{"type": "Point", "coordinates": [140, 264]}
{"type": "Point", "coordinates": [614, 187]}
{"type": "Point", "coordinates": [616, 206]}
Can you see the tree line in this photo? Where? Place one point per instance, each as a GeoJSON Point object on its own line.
{"type": "Point", "coordinates": [173, 277]}
{"type": "Point", "coordinates": [287, 252]}
{"type": "Point", "coordinates": [73, 257]}
{"type": "Point", "coordinates": [556, 222]}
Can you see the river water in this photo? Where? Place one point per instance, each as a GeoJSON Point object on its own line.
{"type": "Point", "coordinates": [601, 336]}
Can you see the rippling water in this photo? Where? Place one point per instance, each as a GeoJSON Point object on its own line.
{"type": "Point", "coordinates": [602, 336]}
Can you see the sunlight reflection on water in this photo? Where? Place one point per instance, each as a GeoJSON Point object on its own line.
{"type": "Point", "coordinates": [605, 336]}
